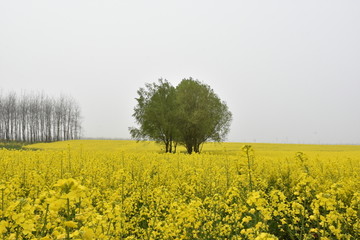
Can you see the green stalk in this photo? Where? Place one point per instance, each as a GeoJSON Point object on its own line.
{"type": "Point", "coordinates": [45, 218]}
{"type": "Point", "coordinates": [247, 149]}
{"type": "Point", "coordinates": [68, 218]}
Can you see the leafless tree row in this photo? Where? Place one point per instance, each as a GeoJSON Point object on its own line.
{"type": "Point", "coordinates": [38, 118]}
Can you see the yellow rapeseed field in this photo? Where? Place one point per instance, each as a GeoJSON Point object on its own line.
{"type": "Point", "coordinates": [93, 189]}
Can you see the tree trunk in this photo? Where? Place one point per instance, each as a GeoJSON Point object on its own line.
{"type": "Point", "coordinates": [197, 148]}
{"type": "Point", "coordinates": [189, 148]}
{"type": "Point", "coordinates": [166, 146]}
{"type": "Point", "coordinates": [170, 147]}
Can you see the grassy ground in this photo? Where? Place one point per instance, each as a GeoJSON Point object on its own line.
{"type": "Point", "coordinates": [13, 145]}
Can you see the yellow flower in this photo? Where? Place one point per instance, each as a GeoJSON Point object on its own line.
{"type": "Point", "coordinates": [266, 236]}
{"type": "Point", "coordinates": [70, 224]}
{"type": "Point", "coordinates": [3, 225]}
{"type": "Point", "coordinates": [45, 238]}
{"type": "Point", "coordinates": [28, 227]}
{"type": "Point", "coordinates": [246, 219]}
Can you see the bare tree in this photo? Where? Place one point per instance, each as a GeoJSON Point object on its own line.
{"type": "Point", "coordinates": [37, 117]}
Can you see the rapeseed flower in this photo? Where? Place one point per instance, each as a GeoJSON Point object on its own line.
{"type": "Point", "coordinates": [130, 193]}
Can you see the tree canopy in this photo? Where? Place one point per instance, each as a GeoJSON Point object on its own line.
{"type": "Point", "coordinates": [189, 114]}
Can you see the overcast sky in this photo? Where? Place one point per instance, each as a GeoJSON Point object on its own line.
{"type": "Point", "coordinates": [288, 70]}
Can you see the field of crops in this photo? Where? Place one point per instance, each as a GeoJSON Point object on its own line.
{"type": "Point", "coordinates": [94, 189]}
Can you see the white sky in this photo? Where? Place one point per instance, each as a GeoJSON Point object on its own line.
{"type": "Point", "coordinates": [288, 70]}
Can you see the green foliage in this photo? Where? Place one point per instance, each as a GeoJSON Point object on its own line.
{"type": "Point", "coordinates": [155, 113]}
{"type": "Point", "coordinates": [12, 145]}
{"type": "Point", "coordinates": [189, 114]}
{"type": "Point", "coordinates": [202, 116]}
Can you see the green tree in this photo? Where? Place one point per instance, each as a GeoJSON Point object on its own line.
{"type": "Point", "coordinates": [189, 114]}
{"type": "Point", "coordinates": [154, 113]}
{"type": "Point", "coordinates": [201, 115]}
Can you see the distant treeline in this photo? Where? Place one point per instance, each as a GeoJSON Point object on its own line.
{"type": "Point", "coordinates": [38, 118]}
